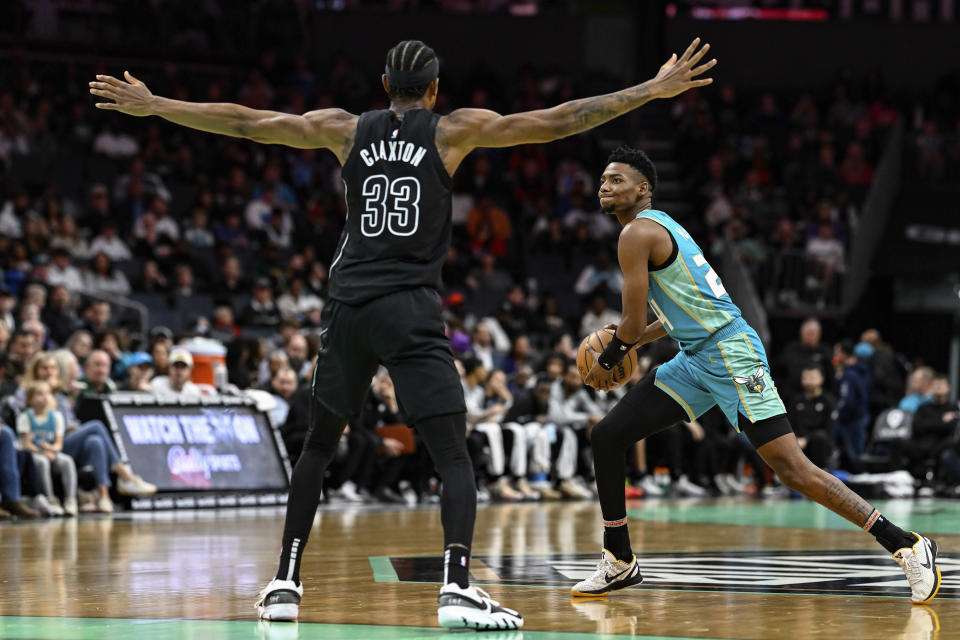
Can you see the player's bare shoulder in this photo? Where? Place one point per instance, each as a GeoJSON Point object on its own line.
{"type": "Point", "coordinates": [639, 241]}
{"type": "Point", "coordinates": [641, 232]}
{"type": "Point", "coordinates": [334, 129]}
{"type": "Point", "coordinates": [457, 132]}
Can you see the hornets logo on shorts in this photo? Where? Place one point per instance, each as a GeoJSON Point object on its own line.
{"type": "Point", "coordinates": [754, 383]}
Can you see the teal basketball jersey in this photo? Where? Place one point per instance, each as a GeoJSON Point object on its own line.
{"type": "Point", "coordinates": [686, 294]}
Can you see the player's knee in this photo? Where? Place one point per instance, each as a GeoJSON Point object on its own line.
{"type": "Point", "coordinates": [604, 435]}
{"type": "Point", "coordinates": [794, 471]}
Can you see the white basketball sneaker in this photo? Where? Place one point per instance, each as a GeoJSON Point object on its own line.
{"type": "Point", "coordinates": [280, 600]}
{"type": "Point", "coordinates": [919, 562]}
{"type": "Point", "coordinates": [611, 574]}
{"type": "Point", "coordinates": [473, 608]}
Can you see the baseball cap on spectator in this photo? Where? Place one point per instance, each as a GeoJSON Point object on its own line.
{"type": "Point", "coordinates": [262, 283]}
{"type": "Point", "coordinates": [139, 358]}
{"type": "Point", "coordinates": [460, 342]}
{"type": "Point", "coordinates": [863, 350]}
{"type": "Point", "coordinates": [41, 258]}
{"type": "Point", "coordinates": [181, 356]}
{"type": "Point", "coordinates": [161, 332]}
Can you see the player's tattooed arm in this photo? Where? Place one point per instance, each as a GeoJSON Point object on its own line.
{"type": "Point", "coordinates": [332, 129]}
{"type": "Point", "coordinates": [467, 129]}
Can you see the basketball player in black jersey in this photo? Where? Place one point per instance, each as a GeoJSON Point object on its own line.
{"type": "Point", "coordinates": [384, 307]}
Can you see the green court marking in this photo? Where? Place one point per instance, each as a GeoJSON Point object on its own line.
{"type": "Point", "coordinates": [29, 628]}
{"type": "Point", "coordinates": [929, 517]}
{"type": "Point", "coordinates": [383, 570]}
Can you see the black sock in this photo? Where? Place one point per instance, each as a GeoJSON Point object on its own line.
{"type": "Point", "coordinates": [890, 536]}
{"type": "Point", "coordinates": [319, 448]}
{"type": "Point", "coordinates": [456, 565]}
{"type": "Point", "coordinates": [616, 540]}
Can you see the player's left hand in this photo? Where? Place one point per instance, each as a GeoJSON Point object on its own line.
{"type": "Point", "coordinates": [679, 74]}
{"type": "Point", "coordinates": [599, 378]}
{"type": "Point", "coordinates": [131, 97]}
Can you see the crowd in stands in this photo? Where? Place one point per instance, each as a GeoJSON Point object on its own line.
{"type": "Point", "coordinates": [228, 240]}
{"type": "Point", "coordinates": [784, 178]}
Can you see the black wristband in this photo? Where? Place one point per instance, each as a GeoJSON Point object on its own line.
{"type": "Point", "coordinates": [614, 353]}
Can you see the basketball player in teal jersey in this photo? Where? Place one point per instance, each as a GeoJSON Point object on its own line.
{"type": "Point", "coordinates": [721, 362]}
{"type": "Point", "coordinates": [398, 165]}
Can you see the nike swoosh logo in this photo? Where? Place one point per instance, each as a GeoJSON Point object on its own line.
{"type": "Point", "coordinates": [926, 546]}
{"type": "Point", "coordinates": [611, 579]}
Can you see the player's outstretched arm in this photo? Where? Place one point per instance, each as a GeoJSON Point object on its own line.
{"type": "Point", "coordinates": [467, 129]}
{"type": "Point", "coordinates": [327, 128]}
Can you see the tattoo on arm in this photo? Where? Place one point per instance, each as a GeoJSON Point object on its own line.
{"type": "Point", "coordinates": [344, 151]}
{"type": "Point", "coordinates": [590, 112]}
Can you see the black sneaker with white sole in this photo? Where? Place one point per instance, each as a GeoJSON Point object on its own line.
{"type": "Point", "coordinates": [473, 608]}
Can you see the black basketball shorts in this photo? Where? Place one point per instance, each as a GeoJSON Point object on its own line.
{"type": "Point", "coordinates": [404, 332]}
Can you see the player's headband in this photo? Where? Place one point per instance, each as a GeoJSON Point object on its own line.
{"type": "Point", "coordinates": [407, 79]}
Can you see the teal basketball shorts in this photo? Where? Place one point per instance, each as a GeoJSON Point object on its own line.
{"type": "Point", "coordinates": [730, 370]}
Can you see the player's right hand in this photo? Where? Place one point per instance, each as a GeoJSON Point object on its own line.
{"type": "Point", "coordinates": [676, 76]}
{"type": "Point", "coordinates": [599, 378]}
{"type": "Point", "coordinates": [131, 97]}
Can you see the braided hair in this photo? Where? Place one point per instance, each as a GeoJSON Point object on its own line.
{"type": "Point", "coordinates": [410, 55]}
{"type": "Point", "coordinates": [638, 160]}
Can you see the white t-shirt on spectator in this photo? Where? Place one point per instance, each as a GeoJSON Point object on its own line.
{"type": "Point", "coordinates": [591, 321]}
{"type": "Point", "coordinates": [828, 251]}
{"type": "Point", "coordinates": [115, 248]}
{"type": "Point", "coordinates": [166, 226]}
{"type": "Point", "coordinates": [9, 222]}
{"type": "Point", "coordinates": [591, 278]}
{"type": "Point", "coordinates": [161, 386]}
{"type": "Point", "coordinates": [115, 145]}
{"type": "Point", "coordinates": [257, 214]}
{"type": "Point", "coordinates": [69, 277]}
{"type": "Point", "coordinates": [304, 303]}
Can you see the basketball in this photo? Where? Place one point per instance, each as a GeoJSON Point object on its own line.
{"type": "Point", "coordinates": [599, 340]}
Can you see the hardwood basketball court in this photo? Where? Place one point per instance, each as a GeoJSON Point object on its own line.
{"type": "Point", "coordinates": [713, 569]}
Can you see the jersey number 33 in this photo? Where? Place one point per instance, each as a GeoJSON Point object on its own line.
{"type": "Point", "coordinates": [392, 205]}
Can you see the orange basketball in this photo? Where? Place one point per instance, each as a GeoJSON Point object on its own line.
{"type": "Point", "coordinates": [599, 341]}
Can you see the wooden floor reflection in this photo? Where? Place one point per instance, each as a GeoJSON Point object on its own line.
{"type": "Point", "coordinates": [209, 566]}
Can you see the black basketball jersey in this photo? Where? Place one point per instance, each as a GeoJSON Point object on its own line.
{"type": "Point", "coordinates": [397, 231]}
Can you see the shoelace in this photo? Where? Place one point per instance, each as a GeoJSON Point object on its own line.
{"type": "Point", "coordinates": [486, 596]}
{"type": "Point", "coordinates": [262, 596]}
{"type": "Point", "coordinates": [913, 568]}
{"type": "Point", "coordinates": [605, 565]}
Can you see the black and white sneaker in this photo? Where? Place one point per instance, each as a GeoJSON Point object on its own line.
{"type": "Point", "coordinates": [280, 601]}
{"type": "Point", "coordinates": [473, 608]}
{"type": "Point", "coordinates": [610, 574]}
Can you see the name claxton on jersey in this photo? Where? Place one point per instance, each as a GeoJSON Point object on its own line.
{"type": "Point", "coordinates": [393, 151]}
